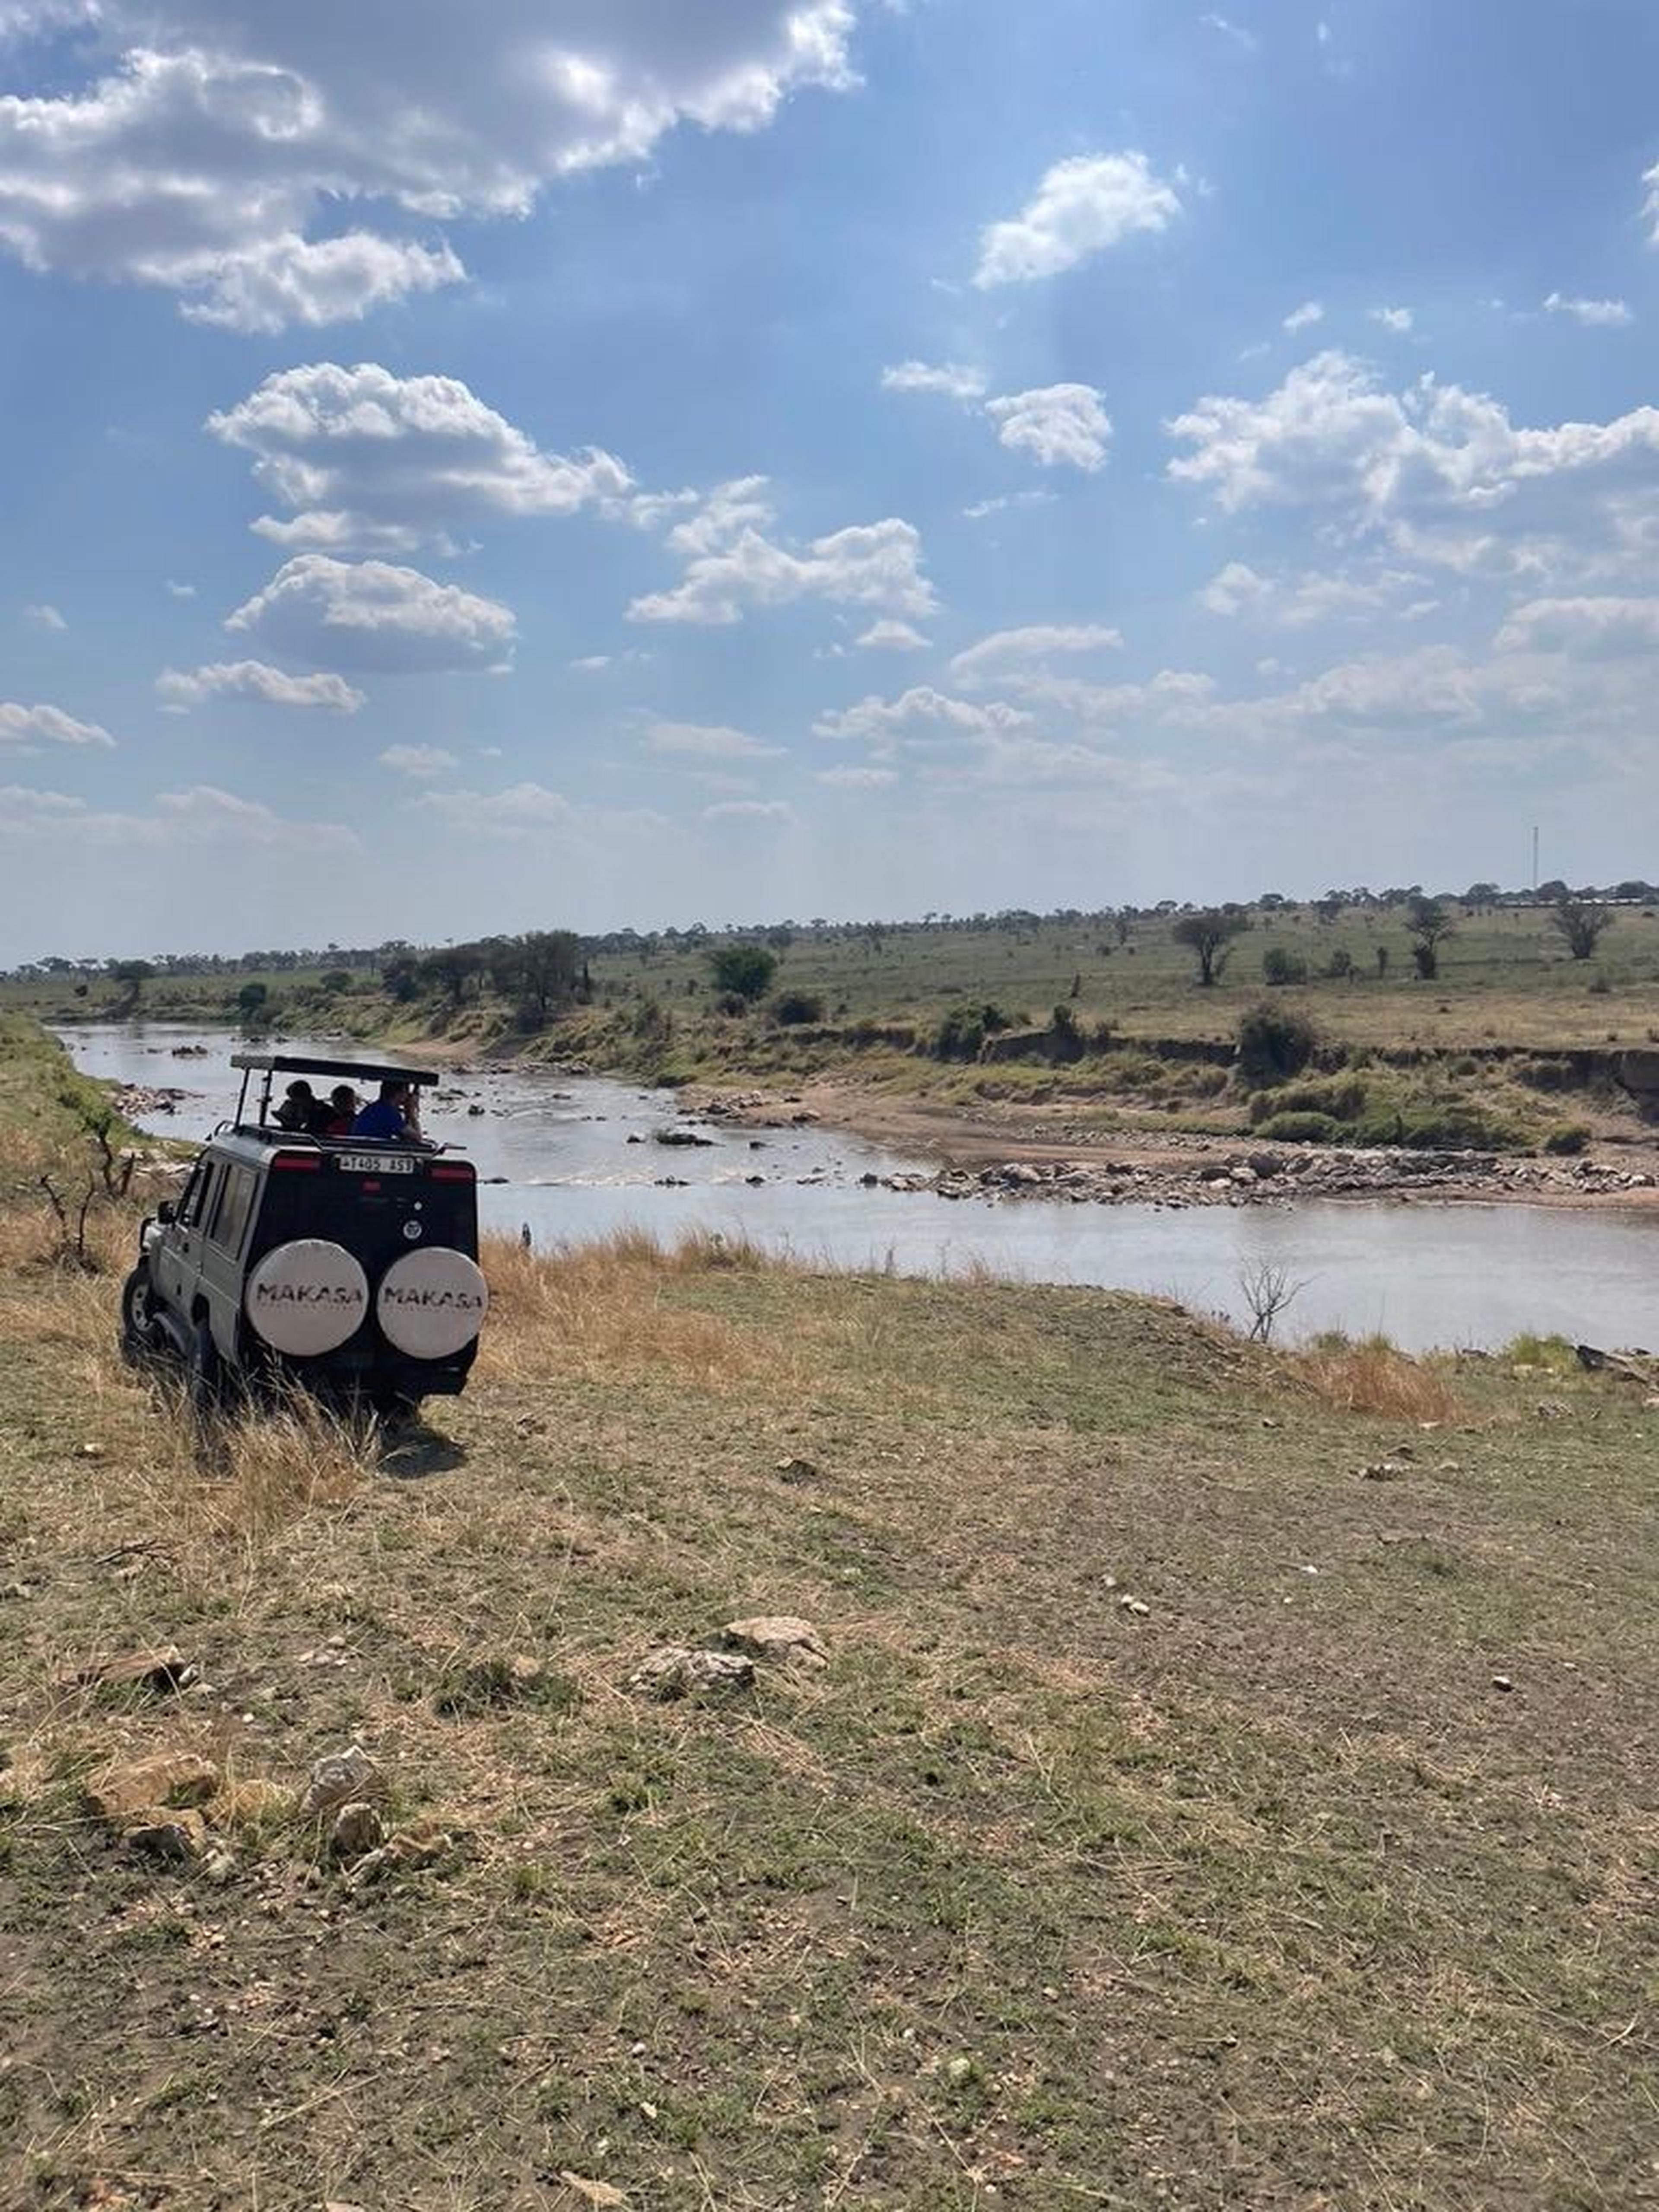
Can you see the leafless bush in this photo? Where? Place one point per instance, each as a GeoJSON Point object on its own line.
{"type": "Point", "coordinates": [1267, 1290]}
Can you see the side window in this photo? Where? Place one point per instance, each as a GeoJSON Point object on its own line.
{"type": "Point", "coordinates": [231, 1218]}
{"type": "Point", "coordinates": [194, 1206]}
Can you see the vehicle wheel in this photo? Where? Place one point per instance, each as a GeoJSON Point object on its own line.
{"type": "Point", "coordinates": [394, 1409]}
{"type": "Point", "coordinates": [204, 1383]}
{"type": "Point", "coordinates": [137, 1317]}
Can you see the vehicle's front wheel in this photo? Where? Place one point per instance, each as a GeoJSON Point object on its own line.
{"type": "Point", "coordinates": [137, 1317]}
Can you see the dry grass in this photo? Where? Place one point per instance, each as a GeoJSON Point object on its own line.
{"type": "Point", "coordinates": [1375, 1378]}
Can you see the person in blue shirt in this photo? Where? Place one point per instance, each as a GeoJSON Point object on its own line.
{"type": "Point", "coordinates": [392, 1117]}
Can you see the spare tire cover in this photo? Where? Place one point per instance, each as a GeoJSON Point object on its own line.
{"type": "Point", "coordinates": [306, 1297]}
{"type": "Point", "coordinates": [431, 1304]}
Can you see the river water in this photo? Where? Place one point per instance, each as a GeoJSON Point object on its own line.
{"type": "Point", "coordinates": [1426, 1275]}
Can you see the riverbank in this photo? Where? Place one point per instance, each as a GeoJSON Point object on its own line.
{"type": "Point", "coordinates": [1041, 1153]}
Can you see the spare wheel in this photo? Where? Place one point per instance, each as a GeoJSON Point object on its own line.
{"type": "Point", "coordinates": [306, 1297]}
{"type": "Point", "coordinates": [431, 1304]}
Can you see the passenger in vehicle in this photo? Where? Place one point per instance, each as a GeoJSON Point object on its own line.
{"type": "Point", "coordinates": [299, 1105]}
{"type": "Point", "coordinates": [336, 1117]}
{"type": "Point", "coordinates": [394, 1114]}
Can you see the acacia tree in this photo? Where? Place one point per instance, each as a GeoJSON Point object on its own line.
{"type": "Point", "coordinates": [1209, 933]}
{"type": "Point", "coordinates": [1430, 925]}
{"type": "Point", "coordinates": [1581, 922]}
{"type": "Point", "coordinates": [745, 972]}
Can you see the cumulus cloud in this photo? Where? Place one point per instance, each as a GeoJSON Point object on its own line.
{"type": "Point", "coordinates": [368, 615]}
{"type": "Point", "coordinates": [1082, 207]}
{"type": "Point", "coordinates": [180, 690]}
{"type": "Point", "coordinates": [363, 458]}
{"type": "Point", "coordinates": [1582, 625]}
{"type": "Point", "coordinates": [1438, 473]}
{"type": "Point", "coordinates": [1060, 425]}
{"type": "Point", "coordinates": [529, 813]}
{"type": "Point", "coordinates": [1400, 320]}
{"type": "Point", "coordinates": [418, 761]}
{"type": "Point", "coordinates": [200, 145]}
{"type": "Point", "coordinates": [856, 779]}
{"type": "Point", "coordinates": [750, 810]}
{"type": "Point", "coordinates": [732, 566]}
{"type": "Point", "coordinates": [1006, 655]}
{"type": "Point", "coordinates": [1319, 595]}
{"type": "Point", "coordinates": [702, 741]}
{"type": "Point", "coordinates": [1603, 314]}
{"type": "Point", "coordinates": [949, 380]}
{"type": "Point", "coordinates": [41, 615]}
{"type": "Point", "coordinates": [203, 815]}
{"type": "Point", "coordinates": [30, 727]}
{"type": "Point", "coordinates": [889, 637]}
{"type": "Point", "coordinates": [1304, 317]}
{"type": "Point", "coordinates": [919, 713]}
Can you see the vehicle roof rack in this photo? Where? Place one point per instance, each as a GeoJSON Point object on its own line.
{"type": "Point", "coordinates": [372, 1071]}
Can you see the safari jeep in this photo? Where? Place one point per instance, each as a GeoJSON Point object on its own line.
{"type": "Point", "coordinates": [344, 1264]}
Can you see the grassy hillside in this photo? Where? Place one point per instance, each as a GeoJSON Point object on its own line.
{"type": "Point", "coordinates": [1226, 1783]}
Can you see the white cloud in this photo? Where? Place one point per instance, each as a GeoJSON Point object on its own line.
{"type": "Point", "coordinates": [1605, 314]}
{"type": "Point", "coordinates": [180, 591]}
{"type": "Point", "coordinates": [731, 567]}
{"type": "Point", "coordinates": [290, 279]}
{"type": "Point", "coordinates": [750, 810]}
{"type": "Point", "coordinates": [418, 761]}
{"type": "Point", "coordinates": [1082, 207]}
{"type": "Point", "coordinates": [252, 679]}
{"type": "Point", "coordinates": [950, 380]}
{"type": "Point", "coordinates": [1586, 625]}
{"type": "Point", "coordinates": [1006, 653]}
{"type": "Point", "coordinates": [1304, 317]}
{"type": "Point", "coordinates": [889, 637]}
{"type": "Point", "coordinates": [42, 616]}
{"type": "Point", "coordinates": [856, 779]}
{"type": "Point", "coordinates": [202, 815]}
{"type": "Point", "coordinates": [364, 458]}
{"type": "Point", "coordinates": [1058, 424]}
{"type": "Point", "coordinates": [367, 615]}
{"type": "Point", "coordinates": [531, 814]}
{"type": "Point", "coordinates": [32, 726]}
{"type": "Point", "coordinates": [1400, 320]}
{"type": "Point", "coordinates": [1440, 474]}
{"type": "Point", "coordinates": [920, 712]}
{"type": "Point", "coordinates": [198, 144]}
{"type": "Point", "coordinates": [702, 741]}
{"type": "Point", "coordinates": [1235, 32]}
{"type": "Point", "coordinates": [1039, 496]}
{"type": "Point", "coordinates": [1650, 179]}
{"type": "Point", "coordinates": [1319, 595]}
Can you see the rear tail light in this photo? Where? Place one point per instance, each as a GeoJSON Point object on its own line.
{"type": "Point", "coordinates": [308, 1163]}
{"type": "Point", "coordinates": [443, 1173]}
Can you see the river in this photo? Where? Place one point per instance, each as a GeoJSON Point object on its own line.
{"type": "Point", "coordinates": [1426, 1275]}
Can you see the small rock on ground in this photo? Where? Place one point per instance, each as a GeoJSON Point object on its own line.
{"type": "Point", "coordinates": [675, 1670]}
{"type": "Point", "coordinates": [779, 1637]}
{"type": "Point", "coordinates": [356, 1829]}
{"type": "Point", "coordinates": [144, 1786]}
{"type": "Point", "coordinates": [341, 1777]}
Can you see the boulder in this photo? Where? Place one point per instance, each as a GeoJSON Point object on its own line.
{"type": "Point", "coordinates": [675, 1670]}
{"type": "Point", "coordinates": [146, 1785]}
{"type": "Point", "coordinates": [778, 1636]}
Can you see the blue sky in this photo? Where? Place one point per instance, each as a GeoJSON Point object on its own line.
{"type": "Point", "coordinates": [603, 461]}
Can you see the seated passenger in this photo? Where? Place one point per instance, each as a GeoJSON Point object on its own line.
{"type": "Point", "coordinates": [336, 1116]}
{"type": "Point", "coordinates": [299, 1105]}
{"type": "Point", "coordinates": [393, 1116]}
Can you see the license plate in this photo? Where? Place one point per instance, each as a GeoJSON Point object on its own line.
{"type": "Point", "coordinates": [376, 1164]}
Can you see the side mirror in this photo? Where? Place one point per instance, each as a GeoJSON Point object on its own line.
{"type": "Point", "coordinates": [167, 1211]}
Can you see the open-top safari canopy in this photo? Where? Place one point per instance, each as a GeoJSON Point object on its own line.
{"type": "Point", "coordinates": [270, 1065]}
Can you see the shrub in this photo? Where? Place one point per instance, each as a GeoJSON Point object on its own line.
{"type": "Point", "coordinates": [1302, 1129]}
{"type": "Point", "coordinates": [1336, 1097]}
{"type": "Point", "coordinates": [1547, 1074]}
{"type": "Point", "coordinates": [790, 1009]}
{"type": "Point", "coordinates": [744, 971]}
{"type": "Point", "coordinates": [1437, 1129]}
{"type": "Point", "coordinates": [1279, 966]}
{"type": "Point", "coordinates": [1339, 966]}
{"type": "Point", "coordinates": [1274, 1044]}
{"type": "Point", "coordinates": [1572, 1137]}
{"type": "Point", "coordinates": [965, 1028]}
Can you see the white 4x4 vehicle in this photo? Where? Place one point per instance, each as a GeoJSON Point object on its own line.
{"type": "Point", "coordinates": [348, 1264]}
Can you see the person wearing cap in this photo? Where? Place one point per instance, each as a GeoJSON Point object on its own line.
{"type": "Point", "coordinates": [298, 1109]}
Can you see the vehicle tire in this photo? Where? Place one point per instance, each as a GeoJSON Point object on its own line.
{"type": "Point", "coordinates": [137, 1317]}
{"type": "Point", "coordinates": [394, 1409]}
{"type": "Point", "coordinates": [204, 1381]}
